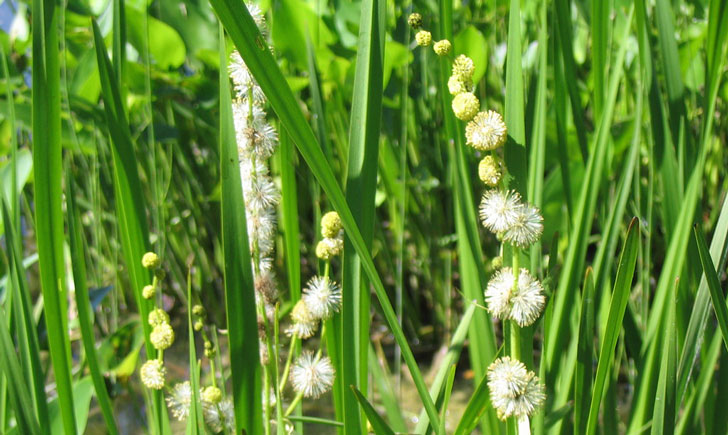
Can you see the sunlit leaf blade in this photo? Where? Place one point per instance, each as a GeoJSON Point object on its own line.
{"type": "Point", "coordinates": [663, 420]}
{"type": "Point", "coordinates": [378, 424]}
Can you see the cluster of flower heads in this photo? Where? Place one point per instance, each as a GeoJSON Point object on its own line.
{"type": "Point", "coordinates": [217, 411]}
{"type": "Point", "coordinates": [514, 390]}
{"type": "Point", "coordinates": [153, 372]}
{"type": "Point", "coordinates": [424, 38]}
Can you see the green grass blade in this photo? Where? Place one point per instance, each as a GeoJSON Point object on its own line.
{"type": "Point", "coordinates": [289, 211]}
{"type": "Point", "coordinates": [47, 166]}
{"type": "Point", "coordinates": [451, 358]}
{"type": "Point", "coordinates": [239, 297]}
{"type": "Point", "coordinates": [477, 405]}
{"type": "Point", "coordinates": [446, 399]}
{"type": "Point", "coordinates": [378, 424]}
{"type": "Point", "coordinates": [716, 293]}
{"type": "Point", "coordinates": [701, 306]}
{"type": "Point", "coordinates": [195, 421]}
{"type": "Point", "coordinates": [25, 327]}
{"type": "Point", "coordinates": [585, 354]}
{"type": "Point", "coordinates": [515, 149]}
{"type": "Point", "coordinates": [83, 305]}
{"type": "Point", "coordinates": [18, 391]}
{"type": "Point", "coordinates": [387, 395]}
{"type": "Point", "coordinates": [663, 420]}
{"type": "Point", "coordinates": [585, 207]}
{"type": "Point", "coordinates": [244, 33]}
{"type": "Point", "coordinates": [361, 183]}
{"type": "Point", "coordinates": [617, 306]}
{"type": "Point", "coordinates": [316, 420]}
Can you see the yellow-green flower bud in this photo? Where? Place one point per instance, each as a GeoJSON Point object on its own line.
{"type": "Point", "coordinates": [457, 86]}
{"type": "Point", "coordinates": [150, 260]}
{"type": "Point", "coordinates": [415, 20]}
{"type": "Point", "coordinates": [327, 248]}
{"type": "Point", "coordinates": [197, 326]}
{"type": "Point", "coordinates": [198, 310]}
{"type": "Point", "coordinates": [211, 394]}
{"type": "Point", "coordinates": [463, 68]}
{"type": "Point", "coordinates": [489, 171]}
{"type": "Point", "coordinates": [442, 48]}
{"type": "Point", "coordinates": [497, 262]}
{"type": "Point", "coordinates": [153, 373]}
{"type": "Point", "coordinates": [423, 38]}
{"type": "Point", "coordinates": [162, 336]}
{"type": "Point", "coordinates": [158, 316]}
{"type": "Point", "coordinates": [209, 350]}
{"type": "Point", "coordinates": [465, 106]}
{"type": "Point", "coordinates": [330, 225]}
{"type": "Point", "coordinates": [148, 292]}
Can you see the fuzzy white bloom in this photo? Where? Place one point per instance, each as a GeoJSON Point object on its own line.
{"type": "Point", "coordinates": [486, 131]}
{"type": "Point", "coordinates": [179, 400]}
{"type": "Point", "coordinates": [312, 376]}
{"type": "Point", "coordinates": [243, 80]}
{"type": "Point", "coordinates": [254, 136]}
{"type": "Point", "coordinates": [322, 297]}
{"type": "Point", "coordinates": [261, 193]}
{"type": "Point", "coordinates": [153, 373]}
{"type": "Point", "coordinates": [261, 229]}
{"type": "Point", "coordinates": [514, 390]}
{"type": "Point", "coordinates": [527, 227]}
{"type": "Point", "coordinates": [219, 416]}
{"type": "Point", "coordinates": [499, 210]}
{"type": "Point", "coordinates": [522, 305]}
{"type": "Point", "coordinates": [304, 324]}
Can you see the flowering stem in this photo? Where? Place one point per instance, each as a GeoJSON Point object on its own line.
{"type": "Point", "coordinates": [515, 329]}
{"type": "Point", "coordinates": [289, 359]}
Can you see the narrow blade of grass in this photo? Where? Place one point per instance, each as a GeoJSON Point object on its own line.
{"type": "Point", "coordinates": [617, 306]}
{"type": "Point", "coordinates": [83, 305]}
{"type": "Point", "coordinates": [663, 420]}
{"type": "Point", "coordinates": [244, 33]}
{"type": "Point", "coordinates": [378, 424]}
{"type": "Point", "coordinates": [361, 186]}
{"type": "Point", "coordinates": [47, 167]}
{"type": "Point", "coordinates": [515, 149]}
{"type": "Point", "coordinates": [387, 395]}
{"type": "Point", "coordinates": [239, 298]}
{"type": "Point", "coordinates": [716, 293]}
{"type": "Point", "coordinates": [585, 354]}
{"type": "Point", "coordinates": [195, 421]}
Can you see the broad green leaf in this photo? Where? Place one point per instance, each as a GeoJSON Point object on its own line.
{"type": "Point", "coordinates": [166, 46]}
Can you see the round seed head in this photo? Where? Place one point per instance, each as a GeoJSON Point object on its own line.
{"type": "Point", "coordinates": [414, 20]}
{"type": "Point", "coordinates": [328, 248]}
{"type": "Point", "coordinates": [465, 105]}
{"type": "Point", "coordinates": [489, 171]}
{"type": "Point", "coordinates": [463, 68]}
{"type": "Point", "coordinates": [423, 38]}
{"type": "Point", "coordinates": [322, 297]}
{"type": "Point", "coordinates": [211, 394]}
{"type": "Point", "coordinates": [162, 336]}
{"type": "Point", "coordinates": [304, 324]}
{"type": "Point", "coordinates": [442, 48]}
{"type": "Point", "coordinates": [148, 292]}
{"type": "Point", "coordinates": [330, 225]}
{"type": "Point", "coordinates": [150, 260]}
{"type": "Point", "coordinates": [153, 373]}
{"type": "Point", "coordinates": [157, 317]}
{"type": "Point", "coordinates": [526, 228]}
{"type": "Point", "coordinates": [499, 210]}
{"type": "Point", "coordinates": [486, 131]}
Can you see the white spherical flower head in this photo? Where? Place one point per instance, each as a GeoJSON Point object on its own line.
{"type": "Point", "coordinates": [304, 324]}
{"type": "Point", "coordinates": [179, 400]}
{"type": "Point", "coordinates": [322, 297]}
{"type": "Point", "coordinates": [498, 293]}
{"type": "Point", "coordinates": [486, 131]}
{"type": "Point", "coordinates": [263, 193]}
{"type": "Point", "coordinates": [311, 376]}
{"type": "Point", "coordinates": [499, 210]}
{"type": "Point", "coordinates": [243, 80]}
{"type": "Point", "coordinates": [514, 390]}
{"type": "Point", "coordinates": [153, 373]}
{"type": "Point", "coordinates": [526, 228]}
{"type": "Point", "coordinates": [527, 301]}
{"type": "Point", "coordinates": [507, 378]}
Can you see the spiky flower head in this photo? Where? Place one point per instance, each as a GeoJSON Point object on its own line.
{"type": "Point", "coordinates": [486, 131]}
{"type": "Point", "coordinates": [330, 225]}
{"type": "Point", "coordinates": [179, 399]}
{"type": "Point", "coordinates": [442, 48]}
{"type": "Point", "coordinates": [157, 317]}
{"type": "Point", "coordinates": [211, 394]}
{"type": "Point", "coordinates": [527, 227]}
{"type": "Point", "coordinates": [153, 373]}
{"type": "Point", "coordinates": [219, 416]}
{"type": "Point", "coordinates": [150, 260]}
{"type": "Point", "coordinates": [499, 210]}
{"type": "Point", "coordinates": [322, 297]}
{"type": "Point", "coordinates": [304, 324]}
{"type": "Point", "coordinates": [457, 85]}
{"type": "Point", "coordinates": [415, 20]}
{"type": "Point", "coordinates": [328, 248]}
{"type": "Point", "coordinates": [312, 376]}
{"type": "Point", "coordinates": [514, 390]}
{"type": "Point", "coordinates": [523, 305]}
{"type": "Point", "coordinates": [463, 68]}
{"type": "Point", "coordinates": [423, 38]}
{"type": "Point", "coordinates": [148, 291]}
{"type": "Point", "coordinates": [465, 105]}
{"type": "Point", "coordinates": [489, 171]}
{"type": "Point", "coordinates": [162, 336]}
